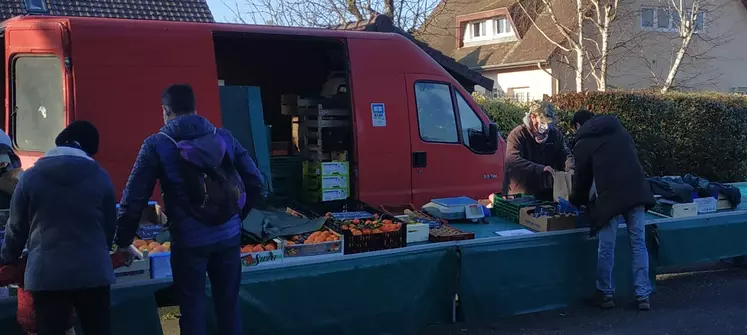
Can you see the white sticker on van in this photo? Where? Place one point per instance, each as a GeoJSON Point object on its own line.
{"type": "Point", "coordinates": [378, 115]}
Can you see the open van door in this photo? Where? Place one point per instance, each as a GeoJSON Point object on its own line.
{"type": "Point", "coordinates": [38, 85]}
{"type": "Point", "coordinates": [448, 136]}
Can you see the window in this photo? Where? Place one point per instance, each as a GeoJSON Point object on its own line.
{"type": "Point", "coordinates": [479, 29]}
{"type": "Point", "coordinates": [39, 113]}
{"type": "Point", "coordinates": [471, 123]}
{"type": "Point", "coordinates": [502, 26]}
{"type": "Point", "coordinates": [647, 17]}
{"type": "Point", "coordinates": [741, 90]}
{"type": "Point", "coordinates": [519, 93]}
{"type": "Point", "coordinates": [666, 19]}
{"type": "Point", "coordinates": [663, 18]}
{"type": "Point", "coordinates": [36, 6]}
{"type": "Point", "coordinates": [698, 24]}
{"type": "Point", "coordinates": [436, 118]}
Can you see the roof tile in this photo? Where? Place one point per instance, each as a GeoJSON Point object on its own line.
{"type": "Point", "coordinates": [166, 10]}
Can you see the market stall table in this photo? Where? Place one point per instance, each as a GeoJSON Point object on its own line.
{"type": "Point", "coordinates": [404, 290]}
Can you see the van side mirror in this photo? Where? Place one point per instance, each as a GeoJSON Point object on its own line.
{"type": "Point", "coordinates": [492, 139]}
{"type": "Point", "coordinates": [484, 142]}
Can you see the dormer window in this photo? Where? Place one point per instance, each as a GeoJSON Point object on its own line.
{"type": "Point", "coordinates": [36, 6]}
{"type": "Point", "coordinates": [495, 29]}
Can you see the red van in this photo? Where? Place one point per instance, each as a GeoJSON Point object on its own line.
{"type": "Point", "coordinates": [433, 141]}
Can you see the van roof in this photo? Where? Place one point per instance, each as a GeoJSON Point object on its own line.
{"type": "Point", "coordinates": [201, 26]}
{"type": "Point", "coordinates": [462, 73]}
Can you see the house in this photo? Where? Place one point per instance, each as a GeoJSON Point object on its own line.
{"type": "Point", "coordinates": [517, 44]}
{"type": "Point", "coordinates": [467, 77]}
{"type": "Point", "coordinates": [166, 10]}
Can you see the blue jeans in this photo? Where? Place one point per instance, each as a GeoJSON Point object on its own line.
{"type": "Point", "coordinates": [222, 263]}
{"type": "Point", "coordinates": [635, 221]}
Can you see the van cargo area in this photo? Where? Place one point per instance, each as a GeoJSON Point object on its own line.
{"type": "Point", "coordinates": [287, 100]}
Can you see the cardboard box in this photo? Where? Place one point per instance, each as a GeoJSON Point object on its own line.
{"type": "Point", "coordinates": [327, 194]}
{"type": "Point", "coordinates": [315, 249]}
{"type": "Point", "coordinates": [326, 168]}
{"type": "Point", "coordinates": [546, 223]}
{"type": "Point", "coordinates": [262, 258]}
{"type": "Point", "coordinates": [675, 209]}
{"type": "Point", "coordinates": [138, 270]}
{"type": "Point", "coordinates": [417, 232]}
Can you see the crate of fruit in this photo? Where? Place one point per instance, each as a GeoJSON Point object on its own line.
{"type": "Point", "coordinates": [363, 227]}
{"type": "Point", "coordinates": [410, 215]}
{"type": "Point", "coordinates": [259, 254]}
{"type": "Point", "coordinates": [321, 242]}
{"type": "Point", "coordinates": [446, 233]}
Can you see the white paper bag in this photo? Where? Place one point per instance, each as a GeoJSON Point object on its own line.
{"type": "Point", "coordinates": [561, 185]}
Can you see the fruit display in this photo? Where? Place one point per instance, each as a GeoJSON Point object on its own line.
{"type": "Point", "coordinates": [319, 236]}
{"type": "Point", "coordinates": [448, 233]}
{"type": "Point", "coordinates": [321, 242]}
{"type": "Point", "coordinates": [373, 225]}
{"type": "Point", "coordinates": [151, 247]}
{"type": "Point", "coordinates": [259, 247]}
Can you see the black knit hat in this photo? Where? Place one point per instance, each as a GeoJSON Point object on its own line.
{"type": "Point", "coordinates": [81, 134]}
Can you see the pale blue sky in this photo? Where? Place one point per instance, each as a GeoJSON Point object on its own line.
{"type": "Point", "coordinates": [220, 12]}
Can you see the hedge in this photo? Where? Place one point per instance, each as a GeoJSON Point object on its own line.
{"type": "Point", "coordinates": [676, 133]}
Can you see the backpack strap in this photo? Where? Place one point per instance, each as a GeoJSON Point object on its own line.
{"type": "Point", "coordinates": [170, 138]}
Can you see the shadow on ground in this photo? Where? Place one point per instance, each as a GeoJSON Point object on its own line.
{"type": "Point", "coordinates": [703, 300]}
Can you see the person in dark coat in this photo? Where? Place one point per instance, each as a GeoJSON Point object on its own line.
{"type": "Point", "coordinates": [534, 150]}
{"type": "Point", "coordinates": [197, 247]}
{"type": "Point", "coordinates": [610, 180]}
{"type": "Point", "coordinates": [64, 211]}
{"type": "Point", "coordinates": [10, 170]}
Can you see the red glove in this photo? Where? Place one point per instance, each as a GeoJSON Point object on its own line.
{"type": "Point", "coordinates": [13, 273]}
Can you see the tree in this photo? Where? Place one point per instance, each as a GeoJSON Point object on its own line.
{"type": "Point", "coordinates": [591, 48]}
{"type": "Point", "coordinates": [572, 33]}
{"type": "Point", "coordinates": [688, 20]}
{"type": "Point", "coordinates": [406, 14]}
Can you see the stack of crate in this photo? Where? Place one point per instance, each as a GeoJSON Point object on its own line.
{"type": "Point", "coordinates": [510, 209]}
{"type": "Point", "coordinates": [287, 176]}
{"type": "Point", "coordinates": [326, 181]}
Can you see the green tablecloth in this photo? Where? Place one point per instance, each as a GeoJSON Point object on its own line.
{"type": "Point", "coordinates": [389, 292]}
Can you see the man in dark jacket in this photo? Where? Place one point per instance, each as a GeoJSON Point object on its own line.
{"type": "Point", "coordinates": [197, 247]}
{"type": "Point", "coordinates": [534, 150]}
{"type": "Point", "coordinates": [610, 179]}
{"type": "Point", "coordinates": [64, 210]}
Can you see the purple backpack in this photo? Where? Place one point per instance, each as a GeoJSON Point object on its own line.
{"type": "Point", "coordinates": [214, 189]}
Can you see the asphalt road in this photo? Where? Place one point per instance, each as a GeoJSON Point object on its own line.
{"type": "Point", "coordinates": [703, 300]}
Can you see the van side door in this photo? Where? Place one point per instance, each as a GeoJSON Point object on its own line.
{"type": "Point", "coordinates": [446, 158]}
{"type": "Point", "coordinates": [38, 87]}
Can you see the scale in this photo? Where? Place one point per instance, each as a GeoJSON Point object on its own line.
{"type": "Point", "coordinates": [457, 208]}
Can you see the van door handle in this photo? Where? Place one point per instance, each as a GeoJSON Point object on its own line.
{"type": "Point", "coordinates": [419, 159]}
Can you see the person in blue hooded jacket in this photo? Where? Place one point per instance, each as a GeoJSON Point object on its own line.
{"type": "Point", "coordinates": [188, 156]}
{"type": "Point", "coordinates": [64, 211]}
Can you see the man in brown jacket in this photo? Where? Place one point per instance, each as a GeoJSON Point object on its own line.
{"type": "Point", "coordinates": [534, 150]}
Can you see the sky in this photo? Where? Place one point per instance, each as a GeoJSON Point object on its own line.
{"type": "Point", "coordinates": [220, 12]}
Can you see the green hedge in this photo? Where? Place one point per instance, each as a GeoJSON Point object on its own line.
{"type": "Point", "coordinates": [676, 133]}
